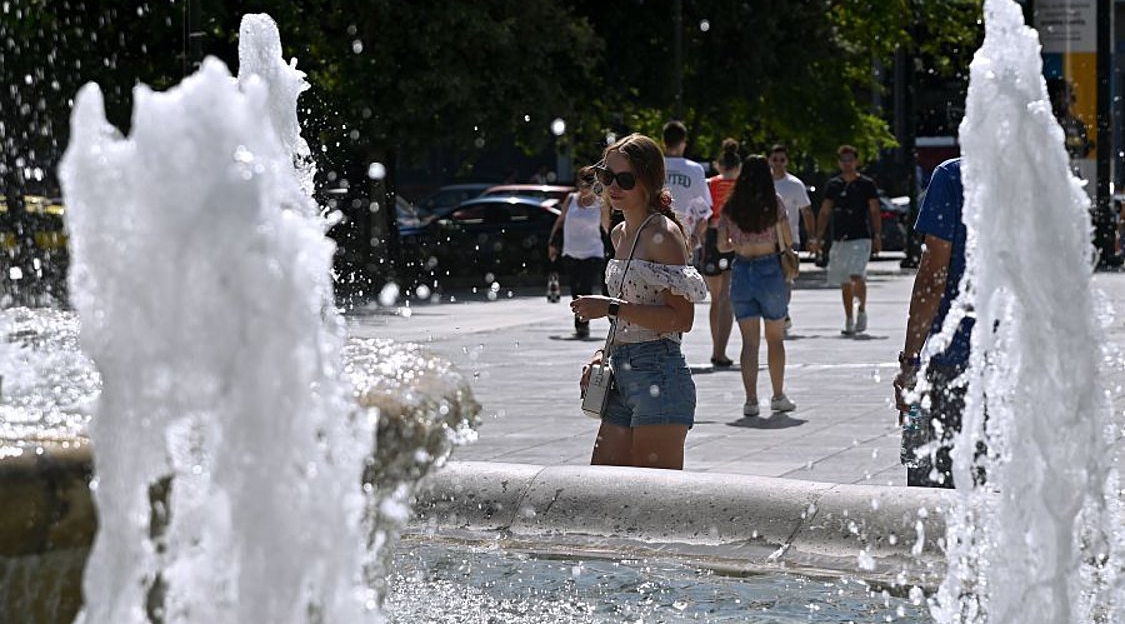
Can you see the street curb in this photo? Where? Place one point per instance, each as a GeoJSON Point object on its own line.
{"type": "Point", "coordinates": [731, 520]}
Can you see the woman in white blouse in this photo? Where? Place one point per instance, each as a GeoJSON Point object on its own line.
{"type": "Point", "coordinates": [652, 404]}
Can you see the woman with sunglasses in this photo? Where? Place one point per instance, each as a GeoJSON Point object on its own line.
{"type": "Point", "coordinates": [652, 403]}
{"type": "Point", "coordinates": [753, 225]}
{"type": "Point", "coordinates": [583, 218]}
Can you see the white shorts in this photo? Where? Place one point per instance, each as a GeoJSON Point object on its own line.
{"type": "Point", "coordinates": [848, 259]}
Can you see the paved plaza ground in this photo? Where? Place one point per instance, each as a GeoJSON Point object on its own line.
{"type": "Point", "coordinates": [524, 369]}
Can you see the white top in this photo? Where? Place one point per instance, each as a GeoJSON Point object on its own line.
{"type": "Point", "coordinates": [643, 283]}
{"type": "Point", "coordinates": [691, 199]}
{"type": "Point", "coordinates": [582, 230]}
{"type": "Point", "coordinates": [794, 197]}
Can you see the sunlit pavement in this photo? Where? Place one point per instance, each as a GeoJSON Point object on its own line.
{"type": "Point", "coordinates": [525, 367]}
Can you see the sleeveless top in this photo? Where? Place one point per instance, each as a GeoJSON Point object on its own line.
{"type": "Point", "coordinates": [582, 230]}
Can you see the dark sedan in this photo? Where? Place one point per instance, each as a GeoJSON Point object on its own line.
{"type": "Point", "coordinates": [498, 235]}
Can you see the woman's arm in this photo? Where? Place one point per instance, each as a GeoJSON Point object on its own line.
{"type": "Point", "coordinates": [675, 313]}
{"type": "Point", "coordinates": [786, 233]}
{"type": "Point", "coordinates": [724, 243]}
{"type": "Point", "coordinates": [552, 251]}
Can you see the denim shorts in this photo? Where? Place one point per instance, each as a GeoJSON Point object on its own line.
{"type": "Point", "coordinates": [652, 385]}
{"type": "Point", "coordinates": [848, 258]}
{"type": "Point", "coordinates": [758, 288]}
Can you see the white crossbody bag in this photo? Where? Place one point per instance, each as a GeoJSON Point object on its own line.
{"type": "Point", "coordinates": [596, 396]}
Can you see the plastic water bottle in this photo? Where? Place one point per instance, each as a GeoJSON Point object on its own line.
{"type": "Point", "coordinates": [554, 292]}
{"type": "Point", "coordinates": [915, 434]}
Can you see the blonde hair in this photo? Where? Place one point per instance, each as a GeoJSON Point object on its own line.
{"type": "Point", "coordinates": [648, 165]}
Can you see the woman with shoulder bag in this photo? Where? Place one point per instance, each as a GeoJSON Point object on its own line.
{"type": "Point", "coordinates": [582, 222]}
{"type": "Point", "coordinates": [754, 226]}
{"type": "Point", "coordinates": [651, 405]}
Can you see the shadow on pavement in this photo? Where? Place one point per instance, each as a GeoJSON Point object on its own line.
{"type": "Point", "coordinates": [776, 420]}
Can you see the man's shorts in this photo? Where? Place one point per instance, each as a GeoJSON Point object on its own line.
{"type": "Point", "coordinates": [848, 259]}
{"type": "Point", "coordinates": [758, 288]}
{"type": "Point", "coordinates": [652, 385]}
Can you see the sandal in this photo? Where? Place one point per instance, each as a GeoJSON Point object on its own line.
{"type": "Point", "coordinates": [722, 362]}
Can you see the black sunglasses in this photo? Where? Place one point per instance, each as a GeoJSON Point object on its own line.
{"type": "Point", "coordinates": [625, 180]}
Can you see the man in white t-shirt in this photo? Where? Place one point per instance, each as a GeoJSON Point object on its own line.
{"type": "Point", "coordinates": [795, 198]}
{"type": "Point", "coordinates": [687, 181]}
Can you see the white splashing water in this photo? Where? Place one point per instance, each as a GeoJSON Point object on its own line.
{"type": "Point", "coordinates": [1039, 543]}
{"type": "Point", "coordinates": [200, 273]}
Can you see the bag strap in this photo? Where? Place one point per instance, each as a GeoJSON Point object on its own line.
{"type": "Point", "coordinates": [632, 250]}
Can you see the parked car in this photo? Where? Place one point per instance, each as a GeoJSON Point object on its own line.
{"type": "Point", "coordinates": [893, 211]}
{"type": "Point", "coordinates": [410, 218]}
{"type": "Point", "coordinates": [556, 192]}
{"type": "Point", "coordinates": [447, 198]}
{"type": "Point", "coordinates": [45, 258]}
{"type": "Point", "coordinates": [504, 235]}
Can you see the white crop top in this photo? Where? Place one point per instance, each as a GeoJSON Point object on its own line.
{"type": "Point", "coordinates": [643, 284]}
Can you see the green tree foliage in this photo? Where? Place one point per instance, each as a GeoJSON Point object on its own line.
{"type": "Point", "coordinates": [401, 77]}
{"type": "Point", "coordinates": [799, 72]}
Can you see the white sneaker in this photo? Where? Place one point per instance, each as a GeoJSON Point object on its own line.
{"type": "Point", "coordinates": [782, 404]}
{"type": "Point", "coordinates": [849, 327]}
{"type": "Point", "coordinates": [860, 322]}
{"type": "Point", "coordinates": [750, 410]}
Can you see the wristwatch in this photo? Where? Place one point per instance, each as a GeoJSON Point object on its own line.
{"type": "Point", "coordinates": [614, 309]}
{"type": "Point", "coordinates": [905, 360]}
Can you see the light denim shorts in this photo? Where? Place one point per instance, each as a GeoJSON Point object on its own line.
{"type": "Point", "coordinates": [652, 385]}
{"type": "Point", "coordinates": [848, 258]}
{"type": "Point", "coordinates": [758, 288]}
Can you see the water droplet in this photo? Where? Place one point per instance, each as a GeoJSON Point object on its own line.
{"type": "Point", "coordinates": [704, 25]}
{"type": "Point", "coordinates": [376, 171]}
{"type": "Point", "coordinates": [389, 295]}
{"type": "Point", "coordinates": [558, 127]}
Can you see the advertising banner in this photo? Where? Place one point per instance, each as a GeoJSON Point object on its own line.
{"type": "Point", "coordinates": [1068, 32]}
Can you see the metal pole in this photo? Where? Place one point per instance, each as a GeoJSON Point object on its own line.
{"type": "Point", "coordinates": [905, 81]}
{"type": "Point", "coordinates": [678, 56]}
{"type": "Point", "coordinates": [1105, 238]}
{"type": "Point", "coordinates": [195, 36]}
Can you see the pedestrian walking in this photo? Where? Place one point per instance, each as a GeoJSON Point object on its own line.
{"type": "Point", "coordinates": [798, 206]}
{"type": "Point", "coordinates": [851, 207]}
{"type": "Point", "coordinates": [651, 405]}
{"type": "Point", "coordinates": [583, 220]}
{"type": "Point", "coordinates": [714, 264]}
{"type": "Point", "coordinates": [754, 226]}
{"type": "Point", "coordinates": [687, 181]}
{"type": "Point", "coordinates": [929, 426]}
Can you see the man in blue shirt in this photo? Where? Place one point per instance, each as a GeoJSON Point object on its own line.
{"type": "Point", "coordinates": [936, 287]}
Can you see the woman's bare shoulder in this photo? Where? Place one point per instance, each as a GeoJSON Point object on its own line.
{"type": "Point", "coordinates": [665, 243]}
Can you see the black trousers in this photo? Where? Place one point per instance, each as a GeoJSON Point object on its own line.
{"type": "Point", "coordinates": [582, 275]}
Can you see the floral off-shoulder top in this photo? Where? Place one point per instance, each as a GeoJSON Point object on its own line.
{"type": "Point", "coordinates": [643, 283]}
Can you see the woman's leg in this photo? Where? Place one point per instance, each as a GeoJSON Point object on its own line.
{"type": "Point", "coordinates": [721, 314]}
{"type": "Point", "coordinates": [659, 446]}
{"type": "Point", "coordinates": [775, 354]}
{"type": "Point", "coordinates": [748, 358]}
{"type": "Point", "coordinates": [577, 281]}
{"type": "Point", "coordinates": [614, 446]}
